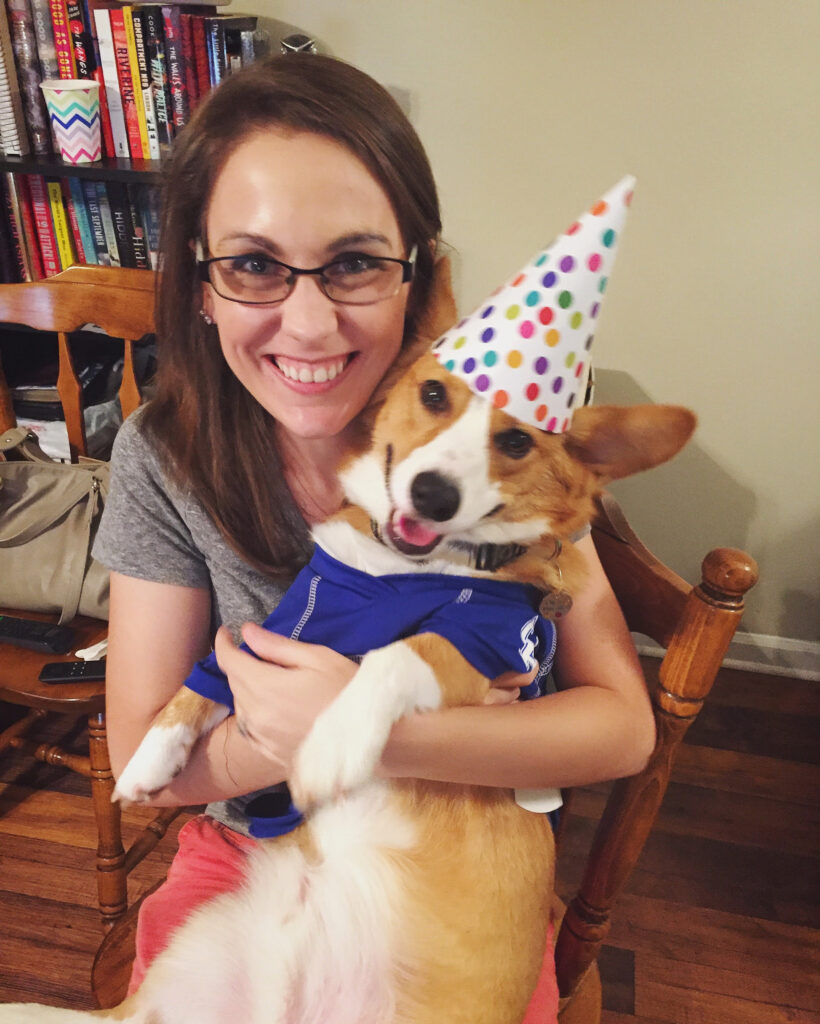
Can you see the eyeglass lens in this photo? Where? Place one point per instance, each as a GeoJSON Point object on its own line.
{"type": "Point", "coordinates": [355, 279]}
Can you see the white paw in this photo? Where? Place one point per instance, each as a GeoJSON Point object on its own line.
{"type": "Point", "coordinates": [340, 753]}
{"type": "Point", "coordinates": [160, 757]}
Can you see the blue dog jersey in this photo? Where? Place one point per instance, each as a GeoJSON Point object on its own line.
{"type": "Point", "coordinates": [493, 623]}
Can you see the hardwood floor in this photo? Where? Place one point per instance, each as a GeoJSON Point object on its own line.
{"type": "Point", "coordinates": [719, 923]}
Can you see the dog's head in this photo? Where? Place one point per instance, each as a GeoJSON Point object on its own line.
{"type": "Point", "coordinates": [446, 471]}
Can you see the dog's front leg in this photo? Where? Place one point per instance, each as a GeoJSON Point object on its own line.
{"type": "Point", "coordinates": [166, 747]}
{"type": "Point", "coordinates": [341, 751]}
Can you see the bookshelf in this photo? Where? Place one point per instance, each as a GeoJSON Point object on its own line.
{"type": "Point", "coordinates": [106, 169]}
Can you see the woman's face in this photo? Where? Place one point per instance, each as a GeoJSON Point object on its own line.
{"type": "Point", "coordinates": [304, 199]}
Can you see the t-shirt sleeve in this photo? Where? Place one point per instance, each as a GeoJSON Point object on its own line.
{"type": "Point", "coordinates": [142, 530]}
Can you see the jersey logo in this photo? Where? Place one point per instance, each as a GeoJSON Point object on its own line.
{"type": "Point", "coordinates": [528, 641]}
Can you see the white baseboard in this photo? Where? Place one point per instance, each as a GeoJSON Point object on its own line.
{"type": "Point", "coordinates": [756, 652]}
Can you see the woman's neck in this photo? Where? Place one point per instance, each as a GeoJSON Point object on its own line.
{"type": "Point", "coordinates": [310, 466]}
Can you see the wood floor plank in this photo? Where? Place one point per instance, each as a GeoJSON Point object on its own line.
{"type": "Point", "coordinates": [749, 774]}
{"type": "Point", "coordinates": [675, 1005]}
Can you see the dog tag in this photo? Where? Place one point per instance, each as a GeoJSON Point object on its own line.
{"type": "Point", "coordinates": [555, 604]}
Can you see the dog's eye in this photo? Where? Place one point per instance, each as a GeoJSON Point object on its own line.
{"type": "Point", "coordinates": [514, 443]}
{"type": "Point", "coordinates": [434, 396]}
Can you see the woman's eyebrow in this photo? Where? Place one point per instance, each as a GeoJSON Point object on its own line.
{"type": "Point", "coordinates": [350, 240]}
{"type": "Point", "coordinates": [358, 238]}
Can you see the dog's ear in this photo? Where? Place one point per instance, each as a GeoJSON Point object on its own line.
{"type": "Point", "coordinates": [615, 441]}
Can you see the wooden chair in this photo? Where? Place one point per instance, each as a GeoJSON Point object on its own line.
{"type": "Point", "coordinates": [121, 303]}
{"type": "Point", "coordinates": [695, 626]}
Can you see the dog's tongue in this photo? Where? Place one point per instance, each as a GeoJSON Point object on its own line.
{"type": "Point", "coordinates": [413, 532]}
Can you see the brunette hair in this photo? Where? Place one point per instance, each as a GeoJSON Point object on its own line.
{"type": "Point", "coordinates": [218, 441]}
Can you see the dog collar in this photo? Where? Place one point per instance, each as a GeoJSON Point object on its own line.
{"type": "Point", "coordinates": [483, 557]}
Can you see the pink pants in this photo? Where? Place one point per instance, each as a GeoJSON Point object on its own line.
{"type": "Point", "coordinates": [210, 861]}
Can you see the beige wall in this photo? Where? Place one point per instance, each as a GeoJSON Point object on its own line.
{"type": "Point", "coordinates": [529, 110]}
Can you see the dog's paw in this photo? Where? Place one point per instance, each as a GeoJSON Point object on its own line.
{"type": "Point", "coordinates": [339, 754]}
{"type": "Point", "coordinates": [160, 757]}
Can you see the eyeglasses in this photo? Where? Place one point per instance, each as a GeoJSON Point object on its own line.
{"type": "Point", "coordinates": [353, 279]}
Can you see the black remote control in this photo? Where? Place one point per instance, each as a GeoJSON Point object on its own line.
{"type": "Point", "coordinates": [36, 636]}
{"type": "Point", "coordinates": [73, 672]}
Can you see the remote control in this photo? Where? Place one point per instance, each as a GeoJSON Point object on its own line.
{"type": "Point", "coordinates": [73, 672]}
{"type": "Point", "coordinates": [36, 636]}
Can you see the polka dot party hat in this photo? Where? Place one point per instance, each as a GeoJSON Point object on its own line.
{"type": "Point", "coordinates": [526, 347]}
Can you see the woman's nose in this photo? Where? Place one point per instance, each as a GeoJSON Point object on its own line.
{"type": "Point", "coordinates": [308, 313]}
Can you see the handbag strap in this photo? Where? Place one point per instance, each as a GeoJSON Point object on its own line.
{"type": "Point", "coordinates": [75, 571]}
{"type": "Point", "coordinates": [26, 444]}
{"type": "Point", "coordinates": [52, 509]}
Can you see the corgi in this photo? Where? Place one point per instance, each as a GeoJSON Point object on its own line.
{"type": "Point", "coordinates": [404, 901]}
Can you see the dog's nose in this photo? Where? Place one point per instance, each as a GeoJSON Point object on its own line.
{"type": "Point", "coordinates": [434, 496]}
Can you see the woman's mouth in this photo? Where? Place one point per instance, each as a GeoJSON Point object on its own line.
{"type": "Point", "coordinates": [316, 372]}
{"type": "Point", "coordinates": [410, 535]}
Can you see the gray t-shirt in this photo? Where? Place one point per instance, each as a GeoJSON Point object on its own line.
{"type": "Point", "coordinates": [153, 531]}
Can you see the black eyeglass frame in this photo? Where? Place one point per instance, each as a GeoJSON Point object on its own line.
{"type": "Point", "coordinates": [203, 269]}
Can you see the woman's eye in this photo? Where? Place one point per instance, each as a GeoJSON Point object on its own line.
{"type": "Point", "coordinates": [434, 396]}
{"type": "Point", "coordinates": [255, 266]}
{"type": "Point", "coordinates": [514, 443]}
{"type": "Point", "coordinates": [354, 264]}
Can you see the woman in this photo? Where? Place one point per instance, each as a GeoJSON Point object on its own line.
{"type": "Point", "coordinates": [306, 162]}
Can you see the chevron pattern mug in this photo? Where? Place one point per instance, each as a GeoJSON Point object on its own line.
{"type": "Point", "coordinates": [74, 112]}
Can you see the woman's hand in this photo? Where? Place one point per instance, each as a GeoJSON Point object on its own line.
{"type": "Point", "coordinates": [278, 698]}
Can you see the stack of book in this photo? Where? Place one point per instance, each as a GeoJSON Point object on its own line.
{"type": "Point", "coordinates": [153, 63]}
{"type": "Point", "coordinates": [51, 223]}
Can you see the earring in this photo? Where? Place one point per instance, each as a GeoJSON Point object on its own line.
{"type": "Point", "coordinates": [206, 318]}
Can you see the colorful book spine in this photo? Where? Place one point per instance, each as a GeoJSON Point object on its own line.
{"type": "Point", "coordinates": [189, 60]}
{"type": "Point", "coordinates": [92, 205]}
{"type": "Point", "coordinates": [123, 225]}
{"type": "Point", "coordinates": [172, 26]}
{"type": "Point", "coordinates": [147, 201]}
{"type": "Point", "coordinates": [146, 88]}
{"type": "Point", "coordinates": [217, 55]}
{"type": "Point", "coordinates": [83, 56]}
{"type": "Point", "coordinates": [43, 224]}
{"type": "Point", "coordinates": [158, 70]}
{"type": "Point", "coordinates": [129, 102]}
{"type": "Point", "coordinates": [105, 117]}
{"type": "Point", "coordinates": [80, 222]}
{"type": "Point", "coordinates": [62, 38]}
{"type": "Point", "coordinates": [59, 219]}
{"type": "Point", "coordinates": [108, 224]}
{"type": "Point", "coordinates": [133, 61]}
{"type": "Point", "coordinates": [24, 45]}
{"type": "Point", "coordinates": [18, 186]}
{"type": "Point", "coordinates": [73, 222]}
{"type": "Point", "coordinates": [203, 74]}
{"type": "Point", "coordinates": [108, 63]}
{"type": "Point", "coordinates": [44, 35]}
{"type": "Point", "coordinates": [13, 134]}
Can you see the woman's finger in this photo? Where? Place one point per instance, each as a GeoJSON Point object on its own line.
{"type": "Point", "coordinates": [502, 696]}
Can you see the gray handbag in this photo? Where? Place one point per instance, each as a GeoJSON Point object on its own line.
{"type": "Point", "coordinates": [49, 513]}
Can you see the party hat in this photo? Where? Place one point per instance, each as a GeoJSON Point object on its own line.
{"type": "Point", "coordinates": [526, 347]}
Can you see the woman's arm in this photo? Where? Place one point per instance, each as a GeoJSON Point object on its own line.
{"type": "Point", "coordinates": [599, 726]}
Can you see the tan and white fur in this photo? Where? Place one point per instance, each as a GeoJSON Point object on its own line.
{"type": "Point", "coordinates": [408, 902]}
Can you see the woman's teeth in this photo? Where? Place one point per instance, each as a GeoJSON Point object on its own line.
{"type": "Point", "coordinates": [312, 374]}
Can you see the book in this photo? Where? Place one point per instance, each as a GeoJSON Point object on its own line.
{"type": "Point", "coordinates": [79, 220]}
{"type": "Point", "coordinates": [18, 191]}
{"type": "Point", "coordinates": [146, 86]}
{"type": "Point", "coordinates": [62, 39]}
{"type": "Point", "coordinates": [147, 200]}
{"type": "Point", "coordinates": [92, 205]}
{"type": "Point", "coordinates": [138, 236]}
{"type": "Point", "coordinates": [128, 21]}
{"type": "Point", "coordinates": [44, 37]}
{"type": "Point", "coordinates": [13, 134]}
{"type": "Point", "coordinates": [123, 225]}
{"type": "Point", "coordinates": [11, 199]}
{"type": "Point", "coordinates": [108, 63]}
{"type": "Point", "coordinates": [24, 45]}
{"type": "Point", "coordinates": [105, 118]}
{"type": "Point", "coordinates": [127, 95]}
{"type": "Point", "coordinates": [59, 218]}
{"type": "Point", "coordinates": [188, 59]}
{"type": "Point", "coordinates": [80, 40]}
{"type": "Point", "coordinates": [223, 33]}
{"type": "Point", "coordinates": [43, 224]}
{"type": "Point", "coordinates": [203, 75]}
{"type": "Point", "coordinates": [12, 255]}
{"type": "Point", "coordinates": [108, 224]}
{"type": "Point", "coordinates": [73, 223]}
{"type": "Point", "coordinates": [172, 26]}
{"type": "Point", "coordinates": [154, 38]}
